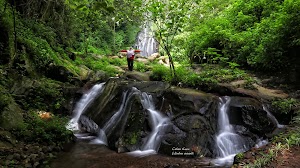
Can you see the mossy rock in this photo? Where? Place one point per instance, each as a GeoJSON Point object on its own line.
{"type": "Point", "coordinates": [11, 117]}
{"type": "Point", "coordinates": [6, 139]}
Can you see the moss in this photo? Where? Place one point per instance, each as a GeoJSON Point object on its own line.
{"type": "Point", "coordinates": [43, 94]}
{"type": "Point", "coordinates": [239, 157]}
{"type": "Point", "coordinates": [49, 131]}
{"type": "Point", "coordinates": [132, 138]}
{"type": "Point", "coordinates": [11, 117]}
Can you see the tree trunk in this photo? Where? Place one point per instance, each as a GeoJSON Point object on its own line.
{"type": "Point", "coordinates": [14, 52]}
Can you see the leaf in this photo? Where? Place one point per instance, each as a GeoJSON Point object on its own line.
{"type": "Point", "coordinates": [80, 7]}
{"type": "Point", "coordinates": [100, 5]}
{"type": "Point", "coordinates": [110, 9]}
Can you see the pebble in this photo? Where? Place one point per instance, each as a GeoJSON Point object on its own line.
{"type": "Point", "coordinates": [17, 156]}
{"type": "Point", "coordinates": [28, 165]}
{"type": "Point", "coordinates": [36, 164]}
{"type": "Point", "coordinates": [23, 156]}
{"type": "Point", "coordinates": [9, 157]}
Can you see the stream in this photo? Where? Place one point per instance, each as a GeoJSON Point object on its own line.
{"type": "Point", "coordinates": [92, 150]}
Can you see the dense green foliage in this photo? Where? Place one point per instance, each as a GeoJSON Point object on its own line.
{"type": "Point", "coordinates": [262, 34]}
{"type": "Point", "coordinates": [209, 75]}
{"type": "Point", "coordinates": [284, 105]}
{"type": "Point", "coordinates": [45, 47]}
{"type": "Point", "coordinates": [48, 131]}
{"type": "Point", "coordinates": [62, 43]}
{"type": "Point", "coordinates": [169, 18]}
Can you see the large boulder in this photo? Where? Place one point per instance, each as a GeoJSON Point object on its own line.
{"type": "Point", "coordinates": [11, 117]}
{"type": "Point", "coordinates": [153, 57]}
{"type": "Point", "coordinates": [249, 113]}
{"type": "Point", "coordinates": [139, 76]}
{"type": "Point", "coordinates": [193, 117]}
{"type": "Point", "coordinates": [236, 88]}
{"type": "Point", "coordinates": [142, 60]}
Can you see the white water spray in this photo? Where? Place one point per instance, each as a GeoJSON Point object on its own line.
{"type": "Point", "coordinates": [227, 141]}
{"type": "Point", "coordinates": [83, 103]}
{"type": "Point", "coordinates": [146, 42]}
{"type": "Point", "coordinates": [272, 117]}
{"type": "Point", "coordinates": [159, 125]}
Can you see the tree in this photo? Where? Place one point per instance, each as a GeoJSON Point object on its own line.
{"type": "Point", "coordinates": [169, 18]}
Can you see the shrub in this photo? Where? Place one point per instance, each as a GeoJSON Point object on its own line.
{"type": "Point", "coordinates": [49, 131]}
{"type": "Point", "coordinates": [159, 72]}
{"type": "Point", "coordinates": [140, 67]}
{"type": "Point", "coordinates": [284, 105]}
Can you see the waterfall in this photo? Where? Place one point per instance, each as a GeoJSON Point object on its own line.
{"type": "Point", "coordinates": [228, 143]}
{"type": "Point", "coordinates": [146, 41]}
{"type": "Point", "coordinates": [261, 142]}
{"type": "Point", "coordinates": [115, 119]}
{"type": "Point", "coordinates": [159, 125]}
{"type": "Point", "coordinates": [83, 103]}
{"type": "Point", "coordinates": [272, 117]}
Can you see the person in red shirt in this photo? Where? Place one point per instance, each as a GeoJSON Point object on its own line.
{"type": "Point", "coordinates": [130, 58]}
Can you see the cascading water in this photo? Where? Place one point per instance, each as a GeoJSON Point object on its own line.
{"type": "Point", "coordinates": [261, 142]}
{"type": "Point", "coordinates": [146, 41]}
{"type": "Point", "coordinates": [159, 124]}
{"type": "Point", "coordinates": [274, 120]}
{"type": "Point", "coordinates": [83, 104]}
{"type": "Point", "coordinates": [228, 143]}
{"type": "Point", "coordinates": [114, 120]}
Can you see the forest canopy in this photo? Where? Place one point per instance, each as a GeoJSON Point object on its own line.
{"type": "Point", "coordinates": [262, 34]}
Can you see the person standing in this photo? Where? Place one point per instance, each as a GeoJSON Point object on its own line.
{"type": "Point", "coordinates": [130, 58]}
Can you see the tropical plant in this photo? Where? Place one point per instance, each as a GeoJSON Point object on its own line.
{"type": "Point", "coordinates": [169, 18]}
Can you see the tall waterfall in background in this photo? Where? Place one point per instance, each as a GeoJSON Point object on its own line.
{"type": "Point", "coordinates": [228, 143]}
{"type": "Point", "coordinates": [146, 42]}
{"type": "Point", "coordinates": [83, 103]}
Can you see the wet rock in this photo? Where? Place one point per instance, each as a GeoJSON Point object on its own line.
{"type": "Point", "coordinates": [88, 125]}
{"type": "Point", "coordinates": [193, 115]}
{"type": "Point", "coordinates": [249, 113]}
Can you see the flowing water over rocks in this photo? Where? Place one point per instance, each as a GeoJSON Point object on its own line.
{"type": "Point", "coordinates": [227, 141]}
{"type": "Point", "coordinates": [82, 104]}
{"type": "Point", "coordinates": [146, 118]}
